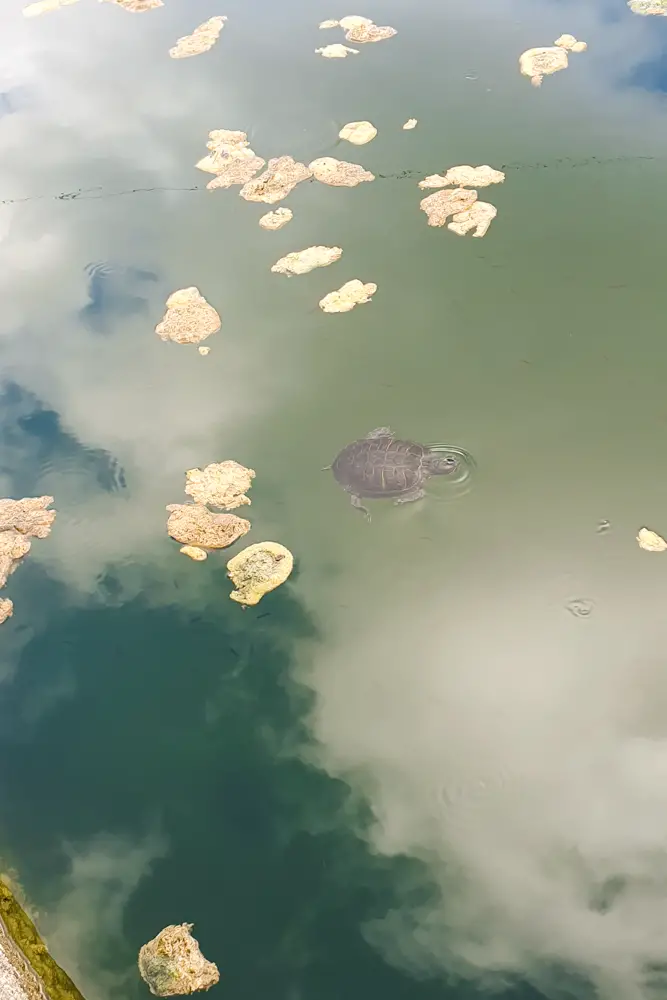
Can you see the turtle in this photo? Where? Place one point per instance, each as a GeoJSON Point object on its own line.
{"type": "Point", "coordinates": [380, 465]}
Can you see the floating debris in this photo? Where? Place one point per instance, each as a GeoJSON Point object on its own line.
{"type": "Point", "coordinates": [580, 607]}
{"type": "Point", "coordinates": [281, 176]}
{"type": "Point", "coordinates": [201, 40]}
{"type": "Point", "coordinates": [172, 963]}
{"type": "Point", "coordinates": [189, 318]}
{"type": "Point", "coordinates": [336, 51]}
{"type": "Point", "coordinates": [137, 6]}
{"type": "Point", "coordinates": [6, 609]}
{"type": "Point", "coordinates": [13, 547]}
{"type": "Point", "coordinates": [257, 570]}
{"type": "Point", "coordinates": [541, 62]}
{"type": "Point", "coordinates": [441, 204]}
{"type": "Point", "coordinates": [194, 552]}
{"type": "Point", "coordinates": [276, 219]}
{"type": "Point", "coordinates": [363, 33]}
{"type": "Point", "coordinates": [411, 123]}
{"type": "Point", "coordinates": [354, 21]}
{"type": "Point", "coordinates": [329, 24]}
{"type": "Point", "coordinates": [339, 173]}
{"type": "Point", "coordinates": [479, 217]}
{"type": "Point", "coordinates": [303, 261]}
{"type": "Point", "coordinates": [194, 524]}
{"type": "Point", "coordinates": [221, 484]}
{"type": "Point", "coordinates": [650, 541]}
{"type": "Point", "coordinates": [648, 7]}
{"type": "Point", "coordinates": [44, 7]}
{"type": "Point", "coordinates": [358, 133]}
{"type": "Point", "coordinates": [204, 351]}
{"type": "Point", "coordinates": [603, 526]}
{"type": "Point", "coordinates": [349, 295]}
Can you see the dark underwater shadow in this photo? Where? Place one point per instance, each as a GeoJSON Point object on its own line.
{"type": "Point", "coordinates": [115, 292]}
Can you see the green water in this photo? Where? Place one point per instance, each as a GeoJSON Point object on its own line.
{"type": "Point", "coordinates": [415, 769]}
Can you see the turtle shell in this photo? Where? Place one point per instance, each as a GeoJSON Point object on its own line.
{"type": "Point", "coordinates": [380, 467]}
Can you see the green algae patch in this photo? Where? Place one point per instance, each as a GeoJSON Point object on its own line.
{"type": "Point", "coordinates": [19, 928]}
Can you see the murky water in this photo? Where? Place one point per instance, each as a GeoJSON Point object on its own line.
{"type": "Point", "coordinates": [439, 750]}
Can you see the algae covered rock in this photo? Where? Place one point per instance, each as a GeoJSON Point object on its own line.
{"type": "Point", "coordinates": [257, 570]}
{"type": "Point", "coordinates": [194, 524]}
{"type": "Point", "coordinates": [303, 261]}
{"type": "Point", "coordinates": [442, 204]}
{"type": "Point", "coordinates": [221, 484]}
{"type": "Point", "coordinates": [172, 963]}
{"type": "Point", "coordinates": [339, 173]}
{"type": "Point", "coordinates": [201, 40]}
{"type": "Point", "coordinates": [189, 318]}
{"type": "Point", "coordinates": [281, 176]}
{"type": "Point", "coordinates": [349, 295]}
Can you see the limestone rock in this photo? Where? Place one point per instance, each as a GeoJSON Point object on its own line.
{"type": "Point", "coordinates": [194, 524]}
{"type": "Point", "coordinates": [358, 133]}
{"type": "Point", "coordinates": [645, 7]}
{"type": "Point", "coordinates": [194, 552]}
{"type": "Point", "coordinates": [28, 516]}
{"type": "Point", "coordinates": [541, 62]}
{"type": "Point", "coordinates": [363, 33]}
{"type": "Point", "coordinates": [336, 51]}
{"type": "Point", "coordinates": [137, 6]}
{"type": "Point", "coordinates": [172, 963]}
{"type": "Point", "coordinates": [281, 176]}
{"type": "Point", "coordinates": [411, 123]}
{"type": "Point", "coordinates": [6, 609]}
{"type": "Point", "coordinates": [478, 217]}
{"type": "Point", "coordinates": [201, 40]}
{"type": "Point", "coordinates": [339, 173]}
{"type": "Point", "coordinates": [45, 6]}
{"type": "Point", "coordinates": [354, 21]}
{"type": "Point", "coordinates": [441, 204]}
{"type": "Point", "coordinates": [349, 295]}
{"type": "Point", "coordinates": [303, 261]}
{"type": "Point", "coordinates": [650, 541]}
{"type": "Point", "coordinates": [276, 219]}
{"type": "Point", "coordinates": [221, 484]}
{"type": "Point", "coordinates": [13, 547]}
{"type": "Point", "coordinates": [189, 318]}
{"type": "Point", "coordinates": [258, 569]}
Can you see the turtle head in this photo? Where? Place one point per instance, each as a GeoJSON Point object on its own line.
{"type": "Point", "coordinates": [441, 465]}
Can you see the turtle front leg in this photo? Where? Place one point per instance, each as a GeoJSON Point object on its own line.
{"type": "Point", "coordinates": [356, 502]}
{"type": "Point", "coordinates": [410, 497]}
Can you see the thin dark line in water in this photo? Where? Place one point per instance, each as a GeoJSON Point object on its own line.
{"type": "Point", "coordinates": [98, 193]}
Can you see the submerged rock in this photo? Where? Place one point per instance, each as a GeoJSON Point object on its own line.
{"type": "Point", "coordinates": [339, 173]}
{"type": "Point", "coordinates": [363, 33]}
{"type": "Point", "coordinates": [648, 7]}
{"type": "Point", "coordinates": [6, 609]}
{"type": "Point", "coordinates": [189, 318]}
{"type": "Point", "coordinates": [411, 123]}
{"type": "Point", "coordinates": [45, 6]}
{"type": "Point", "coordinates": [257, 570]}
{"type": "Point", "coordinates": [201, 40]}
{"type": "Point", "coordinates": [303, 261]}
{"type": "Point", "coordinates": [478, 217]}
{"type": "Point", "coordinates": [194, 524]}
{"type": "Point", "coordinates": [221, 484]}
{"type": "Point", "coordinates": [276, 219]}
{"type": "Point", "coordinates": [358, 133]}
{"type": "Point", "coordinates": [349, 295]}
{"type": "Point", "coordinates": [336, 51]}
{"type": "Point", "coordinates": [440, 205]}
{"type": "Point", "coordinates": [172, 963]}
{"type": "Point", "coordinates": [281, 176]}
{"type": "Point", "coordinates": [194, 552]}
{"type": "Point", "coordinates": [650, 541]}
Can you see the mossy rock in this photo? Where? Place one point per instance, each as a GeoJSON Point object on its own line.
{"type": "Point", "coordinates": [23, 932]}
